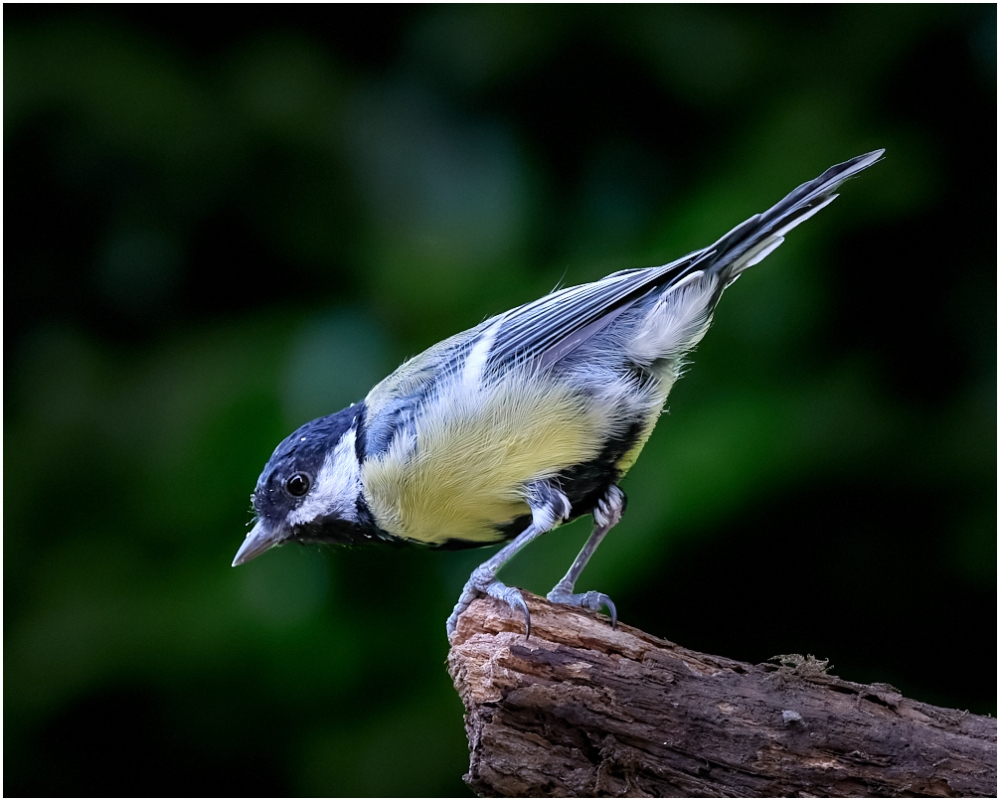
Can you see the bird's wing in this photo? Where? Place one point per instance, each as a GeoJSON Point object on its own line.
{"type": "Point", "coordinates": [548, 329]}
{"type": "Point", "coordinates": [544, 331]}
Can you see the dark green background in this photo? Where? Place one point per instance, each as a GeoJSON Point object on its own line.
{"type": "Point", "coordinates": [220, 223]}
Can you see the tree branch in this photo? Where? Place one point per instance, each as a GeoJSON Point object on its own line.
{"type": "Point", "coordinates": [584, 710]}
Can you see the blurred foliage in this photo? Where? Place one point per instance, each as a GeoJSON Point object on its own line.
{"type": "Point", "coordinates": [217, 229]}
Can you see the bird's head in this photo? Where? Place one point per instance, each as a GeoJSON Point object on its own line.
{"type": "Point", "coordinates": [310, 489]}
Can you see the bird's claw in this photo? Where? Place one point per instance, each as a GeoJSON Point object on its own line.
{"type": "Point", "coordinates": [495, 589]}
{"type": "Point", "coordinates": [513, 598]}
{"type": "Point", "coordinates": [591, 600]}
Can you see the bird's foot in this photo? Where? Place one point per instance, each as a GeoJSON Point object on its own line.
{"type": "Point", "coordinates": [482, 582]}
{"type": "Point", "coordinates": [549, 507]}
{"type": "Point", "coordinates": [591, 600]}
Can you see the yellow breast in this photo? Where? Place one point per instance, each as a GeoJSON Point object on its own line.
{"type": "Point", "coordinates": [475, 450]}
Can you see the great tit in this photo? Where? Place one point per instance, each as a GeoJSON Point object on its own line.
{"type": "Point", "coordinates": [530, 419]}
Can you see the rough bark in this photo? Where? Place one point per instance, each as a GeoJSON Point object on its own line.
{"type": "Point", "coordinates": [580, 709]}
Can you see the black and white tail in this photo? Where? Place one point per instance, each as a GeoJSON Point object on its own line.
{"type": "Point", "coordinates": [666, 308]}
{"type": "Point", "coordinates": [751, 241]}
{"type": "Point", "coordinates": [688, 289]}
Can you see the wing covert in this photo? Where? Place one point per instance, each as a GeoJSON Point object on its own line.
{"type": "Point", "coordinates": [546, 330]}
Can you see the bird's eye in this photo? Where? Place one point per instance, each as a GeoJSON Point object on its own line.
{"type": "Point", "coordinates": [298, 485]}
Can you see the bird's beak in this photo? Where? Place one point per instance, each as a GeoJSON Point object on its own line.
{"type": "Point", "coordinates": [260, 539]}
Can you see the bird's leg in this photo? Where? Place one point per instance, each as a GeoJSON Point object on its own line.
{"type": "Point", "coordinates": [549, 507]}
{"type": "Point", "coordinates": [606, 515]}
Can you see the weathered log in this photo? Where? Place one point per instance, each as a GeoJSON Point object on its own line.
{"type": "Point", "coordinates": [580, 709]}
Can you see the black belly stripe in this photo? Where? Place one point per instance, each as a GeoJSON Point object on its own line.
{"type": "Point", "coordinates": [585, 484]}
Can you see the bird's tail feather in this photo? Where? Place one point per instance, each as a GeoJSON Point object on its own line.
{"type": "Point", "coordinates": [681, 316]}
{"type": "Point", "coordinates": [749, 242]}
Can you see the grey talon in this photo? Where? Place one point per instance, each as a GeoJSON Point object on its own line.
{"type": "Point", "coordinates": [612, 611]}
{"type": "Point", "coordinates": [527, 620]}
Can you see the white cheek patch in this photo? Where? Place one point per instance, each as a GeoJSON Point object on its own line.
{"type": "Point", "coordinates": [335, 489]}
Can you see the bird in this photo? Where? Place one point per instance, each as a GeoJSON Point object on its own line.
{"type": "Point", "coordinates": [528, 420]}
